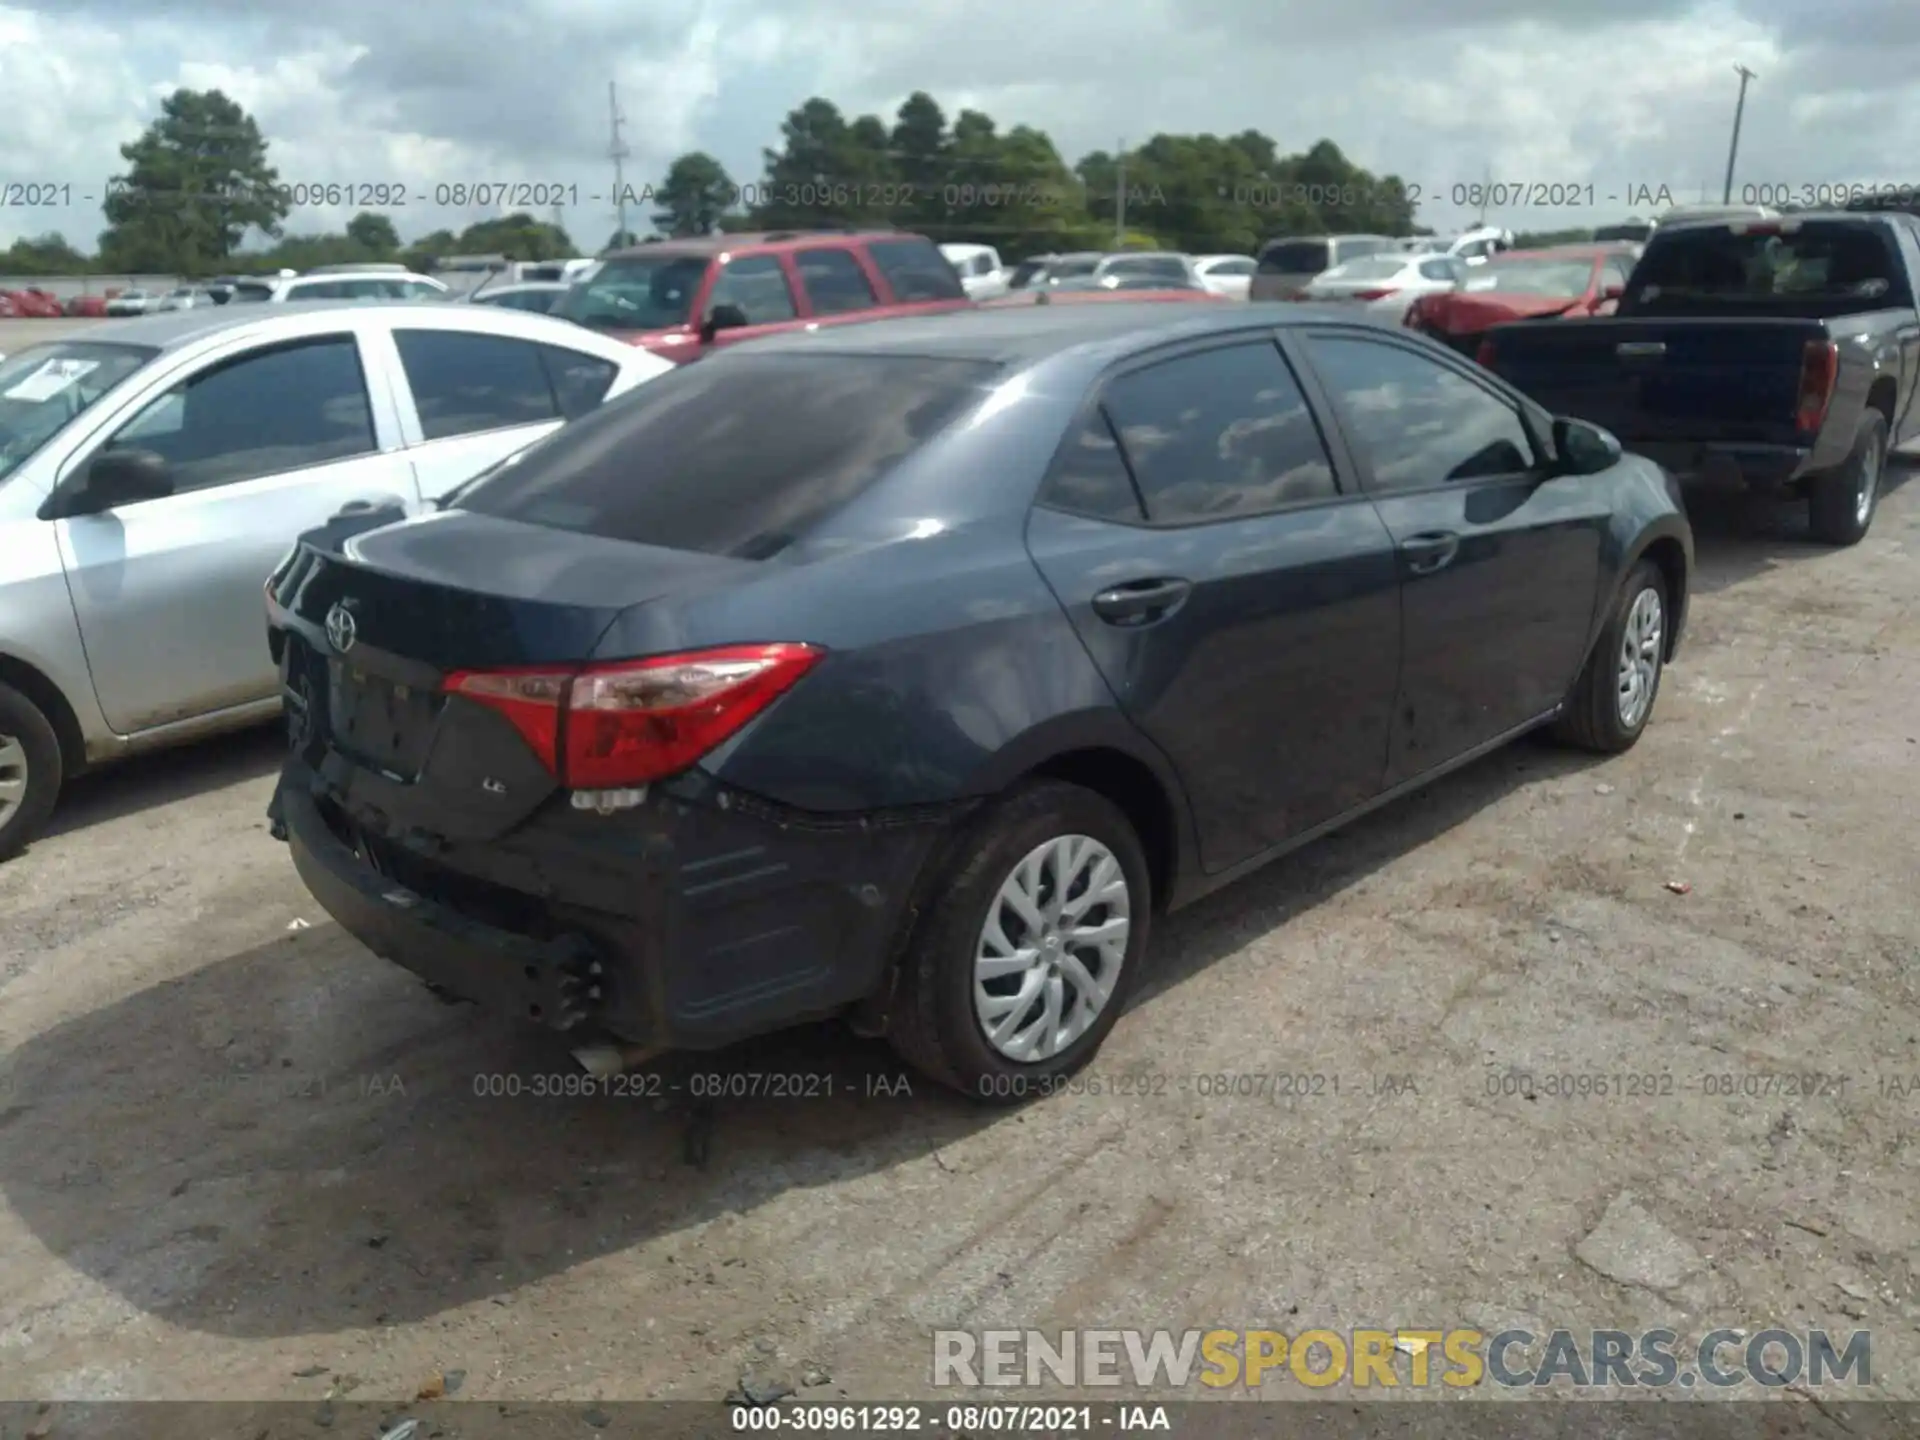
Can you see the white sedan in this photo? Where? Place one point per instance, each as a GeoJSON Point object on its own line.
{"type": "Point", "coordinates": [1386, 284]}
{"type": "Point", "coordinates": [1228, 275]}
{"type": "Point", "coordinates": [154, 471]}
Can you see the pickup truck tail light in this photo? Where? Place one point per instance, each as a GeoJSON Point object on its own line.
{"type": "Point", "coordinates": [628, 722]}
{"type": "Point", "coordinates": [1372, 294]}
{"type": "Point", "coordinates": [1819, 368]}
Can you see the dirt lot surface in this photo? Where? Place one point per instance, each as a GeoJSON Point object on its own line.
{"type": "Point", "coordinates": [241, 1158]}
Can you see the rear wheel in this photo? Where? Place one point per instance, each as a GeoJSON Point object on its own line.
{"type": "Point", "coordinates": [30, 771]}
{"type": "Point", "coordinates": [1841, 502]}
{"type": "Point", "coordinates": [1613, 699]}
{"type": "Point", "coordinates": [1024, 962]}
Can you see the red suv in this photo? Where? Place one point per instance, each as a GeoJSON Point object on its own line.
{"type": "Point", "coordinates": [681, 297]}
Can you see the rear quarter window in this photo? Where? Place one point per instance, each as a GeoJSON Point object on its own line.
{"type": "Point", "coordinates": [915, 271]}
{"type": "Point", "coordinates": [738, 455]}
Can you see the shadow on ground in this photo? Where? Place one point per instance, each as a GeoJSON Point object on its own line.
{"type": "Point", "coordinates": [1738, 535]}
{"type": "Point", "coordinates": [167, 776]}
{"type": "Point", "coordinates": [297, 1138]}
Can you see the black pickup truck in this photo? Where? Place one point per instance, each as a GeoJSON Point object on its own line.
{"type": "Point", "coordinates": [1781, 352]}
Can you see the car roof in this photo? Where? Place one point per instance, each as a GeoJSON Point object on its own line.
{"type": "Point", "coordinates": [1027, 334]}
{"type": "Point", "coordinates": [372, 272]}
{"type": "Point", "coordinates": [711, 245]}
{"type": "Point", "coordinates": [173, 329]}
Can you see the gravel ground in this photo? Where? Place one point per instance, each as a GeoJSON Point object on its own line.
{"type": "Point", "coordinates": [240, 1158]}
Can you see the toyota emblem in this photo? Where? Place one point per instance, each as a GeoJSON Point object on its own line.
{"type": "Point", "coordinates": [341, 630]}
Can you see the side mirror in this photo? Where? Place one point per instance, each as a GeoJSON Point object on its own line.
{"type": "Point", "coordinates": [120, 477]}
{"type": "Point", "coordinates": [722, 317]}
{"type": "Point", "coordinates": [1583, 449]}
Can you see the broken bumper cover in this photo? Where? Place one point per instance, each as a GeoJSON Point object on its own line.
{"type": "Point", "coordinates": [551, 982]}
{"type": "Point", "coordinates": [698, 919]}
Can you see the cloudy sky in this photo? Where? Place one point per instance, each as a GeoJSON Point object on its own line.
{"type": "Point", "coordinates": [1625, 97]}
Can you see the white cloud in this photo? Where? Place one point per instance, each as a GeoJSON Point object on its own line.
{"type": "Point", "coordinates": [1638, 93]}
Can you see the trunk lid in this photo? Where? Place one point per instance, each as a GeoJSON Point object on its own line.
{"type": "Point", "coordinates": [370, 626]}
{"type": "Point", "coordinates": [1703, 381]}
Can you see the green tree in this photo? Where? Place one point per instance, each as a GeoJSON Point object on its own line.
{"type": "Point", "coordinates": [423, 254]}
{"type": "Point", "coordinates": [518, 237]}
{"type": "Point", "coordinates": [49, 254]}
{"type": "Point", "coordinates": [197, 181]}
{"type": "Point", "coordinates": [621, 240]}
{"type": "Point", "coordinates": [374, 234]}
{"type": "Point", "coordinates": [827, 172]}
{"type": "Point", "coordinates": [918, 148]}
{"type": "Point", "coordinates": [696, 195]}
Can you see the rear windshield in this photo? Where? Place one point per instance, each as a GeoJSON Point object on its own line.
{"type": "Point", "coordinates": [642, 292]}
{"type": "Point", "coordinates": [1814, 268]}
{"type": "Point", "coordinates": [1555, 278]}
{"type": "Point", "coordinates": [1073, 269]}
{"type": "Point", "coordinates": [1157, 267]}
{"type": "Point", "coordinates": [1294, 257]}
{"type": "Point", "coordinates": [738, 455]}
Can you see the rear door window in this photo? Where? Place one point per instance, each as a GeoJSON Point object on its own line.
{"type": "Point", "coordinates": [464, 383]}
{"type": "Point", "coordinates": [834, 281]}
{"type": "Point", "coordinates": [689, 462]}
{"type": "Point", "coordinates": [580, 382]}
{"type": "Point", "coordinates": [915, 271]}
{"type": "Point", "coordinates": [1219, 434]}
{"type": "Point", "coordinates": [758, 285]}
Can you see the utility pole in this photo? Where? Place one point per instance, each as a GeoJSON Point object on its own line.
{"type": "Point", "coordinates": [617, 152]}
{"type": "Point", "coordinates": [1120, 197]}
{"type": "Point", "coordinates": [1733, 149]}
{"type": "Point", "coordinates": [1485, 187]}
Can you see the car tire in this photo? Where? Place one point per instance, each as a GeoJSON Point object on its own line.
{"type": "Point", "coordinates": [29, 758]}
{"type": "Point", "coordinates": [1841, 502]}
{"type": "Point", "coordinates": [936, 1022]}
{"type": "Point", "coordinates": [1615, 694]}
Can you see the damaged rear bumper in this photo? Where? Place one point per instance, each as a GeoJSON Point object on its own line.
{"type": "Point", "coordinates": [695, 920]}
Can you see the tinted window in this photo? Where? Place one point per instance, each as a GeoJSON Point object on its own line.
{"type": "Point", "coordinates": [1023, 274]}
{"type": "Point", "coordinates": [1436, 270]}
{"type": "Point", "coordinates": [1222, 433]}
{"type": "Point", "coordinates": [265, 413]}
{"type": "Point", "coordinates": [1090, 477]}
{"type": "Point", "coordinates": [758, 285]}
{"type": "Point", "coordinates": [1156, 267]}
{"type": "Point", "coordinates": [1076, 269]}
{"type": "Point", "coordinates": [244, 294]}
{"type": "Point", "coordinates": [1295, 257]}
{"type": "Point", "coordinates": [580, 382]}
{"type": "Point", "coordinates": [1831, 263]}
{"type": "Point", "coordinates": [1417, 421]}
{"type": "Point", "coordinates": [464, 383]}
{"type": "Point", "coordinates": [834, 281]}
{"type": "Point", "coordinates": [737, 455]}
{"type": "Point", "coordinates": [318, 290]}
{"type": "Point", "coordinates": [1231, 267]}
{"type": "Point", "coordinates": [639, 292]}
{"type": "Point", "coordinates": [915, 271]}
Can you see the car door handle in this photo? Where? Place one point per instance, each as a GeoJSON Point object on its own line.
{"type": "Point", "coordinates": [1141, 602]}
{"type": "Point", "coordinates": [1433, 550]}
{"type": "Point", "coordinates": [1640, 349]}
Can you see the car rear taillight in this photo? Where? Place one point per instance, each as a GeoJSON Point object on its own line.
{"type": "Point", "coordinates": [628, 722]}
{"type": "Point", "coordinates": [1819, 368]}
{"type": "Point", "coordinates": [1485, 354]}
{"type": "Point", "coordinates": [1372, 294]}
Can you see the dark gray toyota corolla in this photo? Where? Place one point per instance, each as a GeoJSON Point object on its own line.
{"type": "Point", "coordinates": [904, 670]}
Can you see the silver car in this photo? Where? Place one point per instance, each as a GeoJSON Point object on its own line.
{"type": "Point", "coordinates": [154, 471]}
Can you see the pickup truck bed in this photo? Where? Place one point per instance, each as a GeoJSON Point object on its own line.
{"type": "Point", "coordinates": [1718, 368]}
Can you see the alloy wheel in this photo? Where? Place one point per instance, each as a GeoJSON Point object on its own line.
{"type": "Point", "coordinates": [13, 777]}
{"type": "Point", "coordinates": [1869, 483]}
{"type": "Point", "coordinates": [1640, 657]}
{"type": "Point", "coordinates": [1050, 952]}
